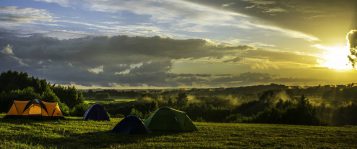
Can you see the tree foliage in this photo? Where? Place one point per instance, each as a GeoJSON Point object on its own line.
{"type": "Point", "coordinates": [20, 86]}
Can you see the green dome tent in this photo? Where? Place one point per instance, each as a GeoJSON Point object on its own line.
{"type": "Point", "coordinates": [168, 119]}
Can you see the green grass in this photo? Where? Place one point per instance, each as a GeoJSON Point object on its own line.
{"type": "Point", "coordinates": [109, 101]}
{"type": "Point", "coordinates": [76, 133]}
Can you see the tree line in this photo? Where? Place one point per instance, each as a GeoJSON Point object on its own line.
{"type": "Point", "coordinates": [20, 86]}
{"type": "Point", "coordinates": [274, 103]}
{"type": "Point", "coordinates": [314, 105]}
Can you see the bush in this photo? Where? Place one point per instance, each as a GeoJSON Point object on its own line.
{"type": "Point", "coordinates": [64, 108]}
{"type": "Point", "coordinates": [79, 109]}
{"type": "Point", "coordinates": [136, 113]}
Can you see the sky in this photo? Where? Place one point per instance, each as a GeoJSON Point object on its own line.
{"type": "Point", "coordinates": [181, 43]}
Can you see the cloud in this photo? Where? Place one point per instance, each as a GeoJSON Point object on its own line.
{"type": "Point", "coordinates": [106, 60]}
{"type": "Point", "coordinates": [145, 61]}
{"type": "Point", "coordinates": [234, 59]}
{"type": "Point", "coordinates": [293, 15]}
{"type": "Point", "coordinates": [227, 4]}
{"type": "Point", "coordinates": [10, 60]}
{"type": "Point", "coordinates": [7, 50]}
{"type": "Point", "coordinates": [281, 56]}
{"type": "Point", "coordinates": [352, 44]}
{"type": "Point", "coordinates": [182, 14]}
{"type": "Point", "coordinates": [96, 70]}
{"type": "Point", "coordinates": [265, 6]}
{"type": "Point", "coordinates": [291, 33]}
{"type": "Point", "coordinates": [124, 72]}
{"type": "Point", "coordinates": [13, 16]}
{"type": "Point", "coordinates": [259, 64]}
{"type": "Point", "coordinates": [131, 67]}
{"type": "Point", "coordinates": [226, 36]}
{"type": "Point", "coordinates": [165, 11]}
{"type": "Point", "coordinates": [271, 58]}
{"type": "Point", "coordinates": [229, 80]}
{"type": "Point", "coordinates": [352, 39]}
{"type": "Point", "coordinates": [64, 3]}
{"type": "Point", "coordinates": [182, 18]}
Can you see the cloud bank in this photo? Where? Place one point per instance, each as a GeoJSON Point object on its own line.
{"type": "Point", "coordinates": [130, 61]}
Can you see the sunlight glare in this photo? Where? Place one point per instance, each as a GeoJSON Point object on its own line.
{"type": "Point", "coordinates": [335, 57]}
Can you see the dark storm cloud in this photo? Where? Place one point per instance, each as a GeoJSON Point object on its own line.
{"type": "Point", "coordinates": [104, 61]}
{"type": "Point", "coordinates": [129, 61]}
{"type": "Point", "coordinates": [309, 16]}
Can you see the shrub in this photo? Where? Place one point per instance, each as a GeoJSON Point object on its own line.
{"type": "Point", "coordinates": [79, 109]}
{"type": "Point", "coordinates": [136, 113]}
{"type": "Point", "coordinates": [64, 108]}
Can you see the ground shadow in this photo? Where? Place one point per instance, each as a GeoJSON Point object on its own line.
{"type": "Point", "coordinates": [102, 139]}
{"type": "Point", "coordinates": [69, 139]}
{"type": "Point", "coordinates": [29, 120]}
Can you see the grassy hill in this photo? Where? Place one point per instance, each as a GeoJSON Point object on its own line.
{"type": "Point", "coordinates": [76, 133]}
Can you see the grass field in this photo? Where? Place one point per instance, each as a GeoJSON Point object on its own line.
{"type": "Point", "coordinates": [109, 101]}
{"type": "Point", "coordinates": [76, 133]}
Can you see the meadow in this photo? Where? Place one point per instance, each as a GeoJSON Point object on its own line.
{"type": "Point", "coordinates": [108, 101]}
{"type": "Point", "coordinates": [73, 132]}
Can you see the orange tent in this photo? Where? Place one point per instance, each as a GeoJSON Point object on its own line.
{"type": "Point", "coordinates": [34, 108]}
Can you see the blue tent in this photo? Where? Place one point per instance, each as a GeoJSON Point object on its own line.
{"type": "Point", "coordinates": [130, 125]}
{"type": "Point", "coordinates": [96, 112]}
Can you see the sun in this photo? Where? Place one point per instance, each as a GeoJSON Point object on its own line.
{"type": "Point", "coordinates": [336, 57]}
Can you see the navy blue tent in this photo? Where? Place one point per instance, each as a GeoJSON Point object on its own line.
{"type": "Point", "coordinates": [130, 125]}
{"type": "Point", "coordinates": [96, 112]}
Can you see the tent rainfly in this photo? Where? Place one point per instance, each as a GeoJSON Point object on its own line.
{"type": "Point", "coordinates": [34, 108]}
{"type": "Point", "coordinates": [169, 119]}
{"type": "Point", "coordinates": [130, 125]}
{"type": "Point", "coordinates": [96, 112]}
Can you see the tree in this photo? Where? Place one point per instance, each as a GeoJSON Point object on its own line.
{"type": "Point", "coordinates": [49, 95]}
{"type": "Point", "coordinates": [69, 95]}
{"type": "Point", "coordinates": [303, 113]}
{"type": "Point", "coordinates": [153, 105]}
{"type": "Point", "coordinates": [21, 86]}
{"type": "Point", "coordinates": [182, 99]}
{"type": "Point", "coordinates": [170, 101]}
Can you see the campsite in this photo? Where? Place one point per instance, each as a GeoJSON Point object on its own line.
{"type": "Point", "coordinates": [178, 74]}
{"type": "Point", "coordinates": [164, 128]}
{"type": "Point", "coordinates": [50, 120]}
{"type": "Point", "coordinates": [74, 132]}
